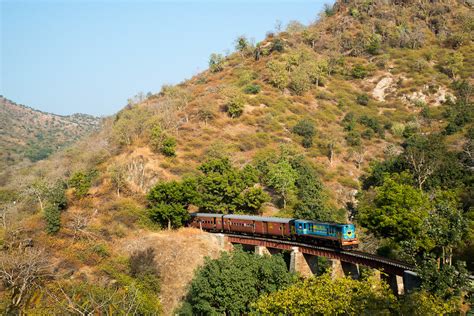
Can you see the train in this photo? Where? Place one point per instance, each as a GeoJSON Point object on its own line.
{"type": "Point", "coordinates": [334, 235]}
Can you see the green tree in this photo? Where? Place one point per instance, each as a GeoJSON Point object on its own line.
{"type": "Point", "coordinates": [183, 193]}
{"type": "Point", "coordinates": [395, 209]}
{"type": "Point", "coordinates": [81, 182]}
{"type": "Point", "coordinates": [306, 129]}
{"type": "Point", "coordinates": [278, 76]}
{"type": "Point", "coordinates": [242, 45]}
{"type": "Point", "coordinates": [324, 296]}
{"type": "Point", "coordinates": [168, 147]}
{"type": "Point", "coordinates": [359, 71]}
{"type": "Point", "coordinates": [300, 82]}
{"type": "Point", "coordinates": [282, 177]}
{"type": "Point", "coordinates": [311, 198]}
{"type": "Point", "coordinates": [216, 62]}
{"type": "Point", "coordinates": [229, 285]}
{"type": "Point", "coordinates": [170, 215]}
{"type": "Point", "coordinates": [52, 216]}
{"type": "Point", "coordinates": [235, 106]}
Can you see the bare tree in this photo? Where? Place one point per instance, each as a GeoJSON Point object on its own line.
{"type": "Point", "coordinates": [117, 177]}
{"type": "Point", "coordinates": [21, 271]}
{"type": "Point", "coordinates": [422, 166]}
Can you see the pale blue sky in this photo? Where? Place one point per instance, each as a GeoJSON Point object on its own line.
{"type": "Point", "coordinates": [90, 56]}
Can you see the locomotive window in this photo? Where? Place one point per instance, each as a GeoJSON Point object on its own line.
{"type": "Point", "coordinates": [300, 226]}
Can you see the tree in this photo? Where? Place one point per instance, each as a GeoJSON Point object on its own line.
{"type": "Point", "coordinates": [311, 202]}
{"type": "Point", "coordinates": [52, 216]}
{"type": "Point", "coordinates": [278, 76]}
{"type": "Point", "coordinates": [235, 106]}
{"type": "Point", "coordinates": [168, 147]}
{"type": "Point", "coordinates": [452, 64]}
{"type": "Point", "coordinates": [21, 271]}
{"type": "Point", "coordinates": [81, 182]}
{"type": "Point", "coordinates": [359, 71]}
{"type": "Point", "coordinates": [242, 45]}
{"type": "Point", "coordinates": [170, 215]}
{"type": "Point", "coordinates": [323, 296]}
{"type": "Point", "coordinates": [300, 81]}
{"type": "Point", "coordinates": [173, 192]}
{"type": "Point", "coordinates": [395, 209]}
{"type": "Point", "coordinates": [306, 129]}
{"type": "Point", "coordinates": [423, 156]}
{"type": "Point", "coordinates": [229, 285]}
{"type": "Point", "coordinates": [282, 177]}
{"type": "Point", "coordinates": [118, 177]}
{"type": "Point", "coordinates": [216, 62]}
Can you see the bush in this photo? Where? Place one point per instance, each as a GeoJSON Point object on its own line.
{"type": "Point", "coordinates": [168, 147]}
{"type": "Point", "coordinates": [52, 216]}
{"type": "Point", "coordinates": [362, 99]}
{"type": "Point", "coordinates": [169, 215]}
{"type": "Point", "coordinates": [278, 76]}
{"type": "Point", "coordinates": [353, 139]}
{"type": "Point", "coordinates": [235, 106]}
{"type": "Point", "coordinates": [252, 89]}
{"type": "Point", "coordinates": [278, 45]}
{"type": "Point", "coordinates": [216, 62]}
{"type": "Point", "coordinates": [81, 182]}
{"type": "Point", "coordinates": [300, 81]}
{"type": "Point", "coordinates": [304, 128]}
{"type": "Point", "coordinates": [142, 263]}
{"type": "Point", "coordinates": [359, 71]}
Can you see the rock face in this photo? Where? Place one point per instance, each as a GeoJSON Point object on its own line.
{"type": "Point", "coordinates": [382, 85]}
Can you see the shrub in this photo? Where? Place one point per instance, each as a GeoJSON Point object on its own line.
{"type": "Point", "coordinates": [349, 122]}
{"type": "Point", "coordinates": [235, 106]}
{"type": "Point", "coordinates": [398, 129]}
{"type": "Point", "coordinates": [168, 147]}
{"type": "Point", "coordinates": [169, 215]}
{"type": "Point", "coordinates": [278, 45]}
{"type": "Point", "coordinates": [353, 139]}
{"type": "Point", "coordinates": [359, 71]}
{"type": "Point", "coordinates": [278, 76]}
{"type": "Point", "coordinates": [300, 81]}
{"type": "Point", "coordinates": [304, 128]}
{"type": "Point", "coordinates": [81, 182]}
{"type": "Point", "coordinates": [252, 89]}
{"type": "Point", "coordinates": [368, 134]}
{"type": "Point", "coordinates": [142, 263]}
{"type": "Point", "coordinates": [216, 62]}
{"type": "Point", "coordinates": [52, 216]}
{"type": "Point", "coordinates": [362, 99]}
{"type": "Point", "coordinates": [373, 44]}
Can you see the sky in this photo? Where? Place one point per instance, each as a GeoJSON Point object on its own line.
{"type": "Point", "coordinates": [81, 56]}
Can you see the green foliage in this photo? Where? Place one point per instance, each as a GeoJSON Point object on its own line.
{"type": "Point", "coordinates": [57, 195]}
{"type": "Point", "coordinates": [235, 106]}
{"type": "Point", "coordinates": [300, 82]}
{"type": "Point", "coordinates": [168, 147]}
{"type": "Point", "coordinates": [252, 89]}
{"type": "Point", "coordinates": [311, 199]}
{"type": "Point", "coordinates": [459, 113]}
{"type": "Point", "coordinates": [452, 64]}
{"type": "Point", "coordinates": [81, 182]}
{"type": "Point", "coordinates": [446, 281]}
{"type": "Point", "coordinates": [278, 76]}
{"type": "Point", "coordinates": [421, 303]}
{"type": "Point", "coordinates": [243, 45]}
{"type": "Point", "coordinates": [224, 189]}
{"type": "Point", "coordinates": [282, 177]}
{"type": "Point", "coordinates": [324, 296]}
{"type": "Point", "coordinates": [349, 122]}
{"type": "Point", "coordinates": [52, 216]}
{"type": "Point", "coordinates": [229, 285]}
{"type": "Point", "coordinates": [359, 71]}
{"type": "Point", "coordinates": [169, 215]}
{"type": "Point", "coordinates": [306, 129]}
{"type": "Point", "coordinates": [395, 210]}
{"type": "Point", "coordinates": [362, 99]}
{"type": "Point", "coordinates": [373, 44]}
{"type": "Point", "coordinates": [216, 62]}
{"type": "Point", "coordinates": [278, 45]}
{"type": "Point", "coordinates": [353, 139]}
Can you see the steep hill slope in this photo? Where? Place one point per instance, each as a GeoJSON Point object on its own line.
{"type": "Point", "coordinates": [342, 93]}
{"type": "Point", "coordinates": [32, 134]}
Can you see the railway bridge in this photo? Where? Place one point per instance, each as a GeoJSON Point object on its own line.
{"type": "Point", "coordinates": [399, 275]}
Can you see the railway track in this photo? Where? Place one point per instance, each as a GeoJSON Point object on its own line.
{"type": "Point", "coordinates": [357, 257]}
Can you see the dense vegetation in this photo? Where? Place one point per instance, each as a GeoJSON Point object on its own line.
{"type": "Point", "coordinates": [365, 116]}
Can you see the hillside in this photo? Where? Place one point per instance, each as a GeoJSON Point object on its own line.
{"type": "Point", "coordinates": [34, 135]}
{"type": "Point", "coordinates": [305, 123]}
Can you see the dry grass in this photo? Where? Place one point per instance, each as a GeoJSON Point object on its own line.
{"type": "Point", "coordinates": [178, 254]}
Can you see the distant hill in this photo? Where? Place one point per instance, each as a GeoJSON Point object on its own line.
{"type": "Point", "coordinates": [26, 133]}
